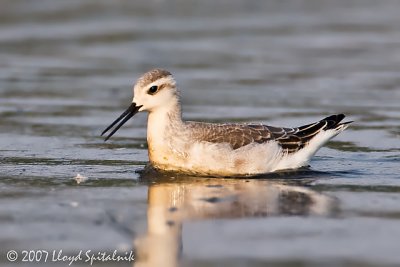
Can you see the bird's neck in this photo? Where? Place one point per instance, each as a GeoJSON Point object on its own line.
{"type": "Point", "coordinates": [164, 122]}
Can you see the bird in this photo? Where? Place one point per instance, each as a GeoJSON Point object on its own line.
{"type": "Point", "coordinates": [218, 149]}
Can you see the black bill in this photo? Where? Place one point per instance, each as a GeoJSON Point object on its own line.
{"type": "Point", "coordinates": [132, 110]}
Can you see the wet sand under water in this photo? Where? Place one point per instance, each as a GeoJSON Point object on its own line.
{"type": "Point", "coordinates": [66, 69]}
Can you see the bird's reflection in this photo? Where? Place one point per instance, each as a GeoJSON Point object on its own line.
{"type": "Point", "coordinates": [172, 201]}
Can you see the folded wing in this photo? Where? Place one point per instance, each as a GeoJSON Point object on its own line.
{"type": "Point", "coordinates": [239, 135]}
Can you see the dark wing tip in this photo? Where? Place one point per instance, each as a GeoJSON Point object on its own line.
{"type": "Point", "coordinates": [333, 121]}
{"type": "Point", "coordinates": [307, 132]}
{"type": "Point", "coordinates": [336, 118]}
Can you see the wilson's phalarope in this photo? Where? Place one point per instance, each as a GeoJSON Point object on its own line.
{"type": "Point", "coordinates": [229, 149]}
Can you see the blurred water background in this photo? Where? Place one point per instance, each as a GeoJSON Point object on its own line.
{"type": "Point", "coordinates": [66, 71]}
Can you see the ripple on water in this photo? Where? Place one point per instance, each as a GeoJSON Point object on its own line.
{"type": "Point", "coordinates": [67, 72]}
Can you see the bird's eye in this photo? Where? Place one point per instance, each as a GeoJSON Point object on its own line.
{"type": "Point", "coordinates": [152, 90]}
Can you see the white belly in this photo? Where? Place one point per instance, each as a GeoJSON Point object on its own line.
{"type": "Point", "coordinates": [204, 158]}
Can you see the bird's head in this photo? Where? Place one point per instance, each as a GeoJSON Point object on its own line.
{"type": "Point", "coordinates": [154, 90]}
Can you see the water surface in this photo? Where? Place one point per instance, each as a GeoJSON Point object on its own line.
{"type": "Point", "coordinates": [67, 69]}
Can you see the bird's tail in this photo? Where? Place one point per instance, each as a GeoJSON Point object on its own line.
{"type": "Point", "coordinates": [333, 122]}
{"type": "Point", "coordinates": [313, 137]}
